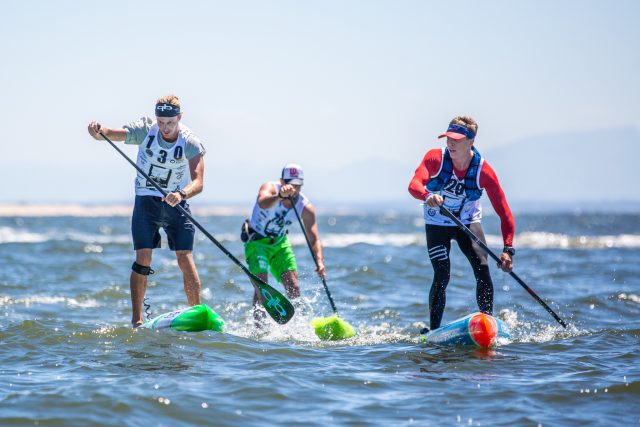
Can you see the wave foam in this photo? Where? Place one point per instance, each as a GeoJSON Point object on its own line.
{"type": "Point", "coordinates": [12, 235]}
{"type": "Point", "coordinates": [45, 299]}
{"type": "Point", "coordinates": [542, 240]}
{"type": "Point", "coordinates": [534, 240]}
{"type": "Point", "coordinates": [375, 239]}
{"type": "Point", "coordinates": [629, 297]}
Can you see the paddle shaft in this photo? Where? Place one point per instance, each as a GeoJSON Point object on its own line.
{"type": "Point", "coordinates": [480, 243]}
{"type": "Point", "coordinates": [206, 233]}
{"type": "Point", "coordinates": [313, 255]}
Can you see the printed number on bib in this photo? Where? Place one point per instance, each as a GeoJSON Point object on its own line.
{"type": "Point", "coordinates": [162, 158]}
{"type": "Point", "coordinates": [454, 187]}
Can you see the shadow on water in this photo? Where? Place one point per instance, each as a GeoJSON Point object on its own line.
{"type": "Point", "coordinates": [454, 354]}
{"type": "Point", "coordinates": [130, 349]}
{"type": "Point", "coordinates": [166, 360]}
{"type": "Point", "coordinates": [447, 363]}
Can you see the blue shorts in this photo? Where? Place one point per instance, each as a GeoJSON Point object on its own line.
{"type": "Point", "coordinates": [150, 213]}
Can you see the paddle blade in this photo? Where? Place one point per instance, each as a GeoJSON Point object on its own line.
{"type": "Point", "coordinates": [276, 305]}
{"type": "Point", "coordinates": [332, 328]}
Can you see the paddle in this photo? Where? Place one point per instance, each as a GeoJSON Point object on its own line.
{"type": "Point", "coordinates": [329, 327]}
{"type": "Point", "coordinates": [480, 243]}
{"type": "Point", "coordinates": [278, 307]}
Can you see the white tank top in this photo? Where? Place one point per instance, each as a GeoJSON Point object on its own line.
{"type": "Point", "coordinates": [455, 199]}
{"type": "Point", "coordinates": [275, 221]}
{"type": "Point", "coordinates": [169, 168]}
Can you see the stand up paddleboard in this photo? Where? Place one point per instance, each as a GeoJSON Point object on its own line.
{"type": "Point", "coordinates": [478, 329]}
{"type": "Point", "coordinates": [193, 319]}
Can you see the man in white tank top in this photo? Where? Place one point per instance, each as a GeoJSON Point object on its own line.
{"type": "Point", "coordinates": [267, 247]}
{"type": "Point", "coordinates": [173, 157]}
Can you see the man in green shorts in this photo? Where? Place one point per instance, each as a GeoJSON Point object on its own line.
{"type": "Point", "coordinates": [266, 245]}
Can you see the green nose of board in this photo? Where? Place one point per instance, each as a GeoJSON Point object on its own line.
{"type": "Point", "coordinates": [193, 319]}
{"type": "Point", "coordinates": [332, 328]}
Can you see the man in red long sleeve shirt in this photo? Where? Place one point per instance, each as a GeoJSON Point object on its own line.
{"type": "Point", "coordinates": [455, 177]}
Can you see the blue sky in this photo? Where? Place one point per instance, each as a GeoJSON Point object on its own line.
{"type": "Point", "coordinates": [337, 86]}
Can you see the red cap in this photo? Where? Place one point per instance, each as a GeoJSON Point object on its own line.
{"type": "Point", "coordinates": [456, 131]}
{"type": "Point", "coordinates": [452, 135]}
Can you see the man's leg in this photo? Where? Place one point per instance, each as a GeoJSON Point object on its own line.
{"type": "Point", "coordinates": [138, 285]}
{"type": "Point", "coordinates": [189, 276]}
{"type": "Point", "coordinates": [144, 230]}
{"type": "Point", "coordinates": [438, 247]}
{"type": "Point", "coordinates": [258, 312]}
{"type": "Point", "coordinates": [257, 254]}
{"type": "Point", "coordinates": [480, 264]}
{"type": "Point", "coordinates": [290, 281]}
{"type": "Point", "coordinates": [285, 268]}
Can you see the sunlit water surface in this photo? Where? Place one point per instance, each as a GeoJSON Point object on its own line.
{"type": "Point", "coordinates": [69, 357]}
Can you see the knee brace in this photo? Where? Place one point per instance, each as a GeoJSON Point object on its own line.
{"type": "Point", "coordinates": [141, 269]}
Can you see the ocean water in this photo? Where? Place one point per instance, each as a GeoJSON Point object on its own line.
{"type": "Point", "coordinates": [69, 357]}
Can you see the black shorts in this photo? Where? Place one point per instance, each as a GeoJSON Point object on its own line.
{"type": "Point", "coordinates": [439, 243]}
{"type": "Point", "coordinates": [150, 213]}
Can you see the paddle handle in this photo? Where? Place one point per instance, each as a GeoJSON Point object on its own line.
{"type": "Point", "coordinates": [259, 284]}
{"type": "Point", "coordinates": [480, 243]}
{"type": "Point", "coordinates": [313, 255]}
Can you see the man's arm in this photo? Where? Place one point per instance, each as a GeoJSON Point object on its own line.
{"type": "Point", "coordinates": [311, 227]}
{"type": "Point", "coordinates": [196, 169]}
{"type": "Point", "coordinates": [430, 162]}
{"type": "Point", "coordinates": [115, 134]}
{"type": "Point", "coordinates": [489, 181]}
{"type": "Point", "coordinates": [267, 196]}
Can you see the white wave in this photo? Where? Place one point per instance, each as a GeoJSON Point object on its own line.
{"type": "Point", "coordinates": [45, 299]}
{"type": "Point", "coordinates": [12, 235]}
{"type": "Point", "coordinates": [534, 240]}
{"type": "Point", "coordinates": [629, 297]}
{"type": "Point", "coordinates": [222, 237]}
{"type": "Point", "coordinates": [541, 240]}
{"type": "Point", "coordinates": [375, 239]}
{"type": "Point", "coordinates": [94, 238]}
{"type": "Point", "coordinates": [53, 210]}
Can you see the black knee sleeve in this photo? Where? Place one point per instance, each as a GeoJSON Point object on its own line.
{"type": "Point", "coordinates": [141, 269]}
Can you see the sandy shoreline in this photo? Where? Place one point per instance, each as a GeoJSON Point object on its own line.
{"type": "Point", "coordinates": [80, 210]}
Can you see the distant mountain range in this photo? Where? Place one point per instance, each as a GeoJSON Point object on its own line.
{"type": "Point", "coordinates": [558, 169]}
{"type": "Point", "coordinates": [596, 166]}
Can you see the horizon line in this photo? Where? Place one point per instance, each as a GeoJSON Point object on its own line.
{"type": "Point", "coordinates": [230, 208]}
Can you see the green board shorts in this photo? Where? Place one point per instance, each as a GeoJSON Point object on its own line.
{"type": "Point", "coordinates": [262, 256]}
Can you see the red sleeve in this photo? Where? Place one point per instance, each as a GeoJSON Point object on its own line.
{"type": "Point", "coordinates": [429, 165]}
{"type": "Point", "coordinates": [489, 181]}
